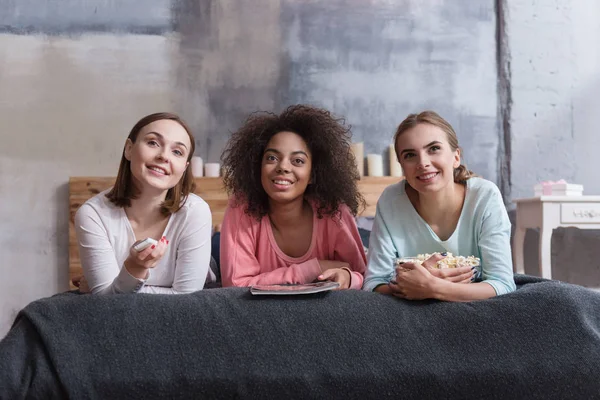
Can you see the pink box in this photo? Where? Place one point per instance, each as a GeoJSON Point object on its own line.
{"type": "Point", "coordinates": [550, 188]}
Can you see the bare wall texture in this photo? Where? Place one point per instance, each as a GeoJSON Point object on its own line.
{"type": "Point", "coordinates": [72, 17]}
{"type": "Point", "coordinates": [586, 103]}
{"type": "Point", "coordinates": [542, 86]}
{"type": "Point", "coordinates": [377, 61]}
{"type": "Point", "coordinates": [554, 82]}
{"type": "Point", "coordinates": [66, 107]}
{"type": "Point", "coordinates": [366, 60]}
{"type": "Point", "coordinates": [228, 66]}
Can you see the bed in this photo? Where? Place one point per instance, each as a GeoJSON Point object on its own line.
{"type": "Point", "coordinates": [540, 342]}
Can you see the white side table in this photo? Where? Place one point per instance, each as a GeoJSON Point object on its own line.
{"type": "Point", "coordinates": [547, 213]}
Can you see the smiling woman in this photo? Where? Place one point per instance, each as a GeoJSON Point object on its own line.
{"type": "Point", "coordinates": [149, 233]}
{"type": "Point", "coordinates": [441, 207]}
{"type": "Point", "coordinates": [293, 182]}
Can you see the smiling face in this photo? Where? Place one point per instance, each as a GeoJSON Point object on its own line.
{"type": "Point", "coordinates": [427, 159]}
{"type": "Point", "coordinates": [286, 167]}
{"type": "Point", "coordinates": [159, 156]}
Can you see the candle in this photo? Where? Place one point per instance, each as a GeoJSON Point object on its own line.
{"type": "Point", "coordinates": [375, 165]}
{"type": "Point", "coordinates": [358, 151]}
{"type": "Point", "coordinates": [395, 167]}
{"type": "Point", "coordinates": [197, 167]}
{"type": "Point", "coordinates": [212, 169]}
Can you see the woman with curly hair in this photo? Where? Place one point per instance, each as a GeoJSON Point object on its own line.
{"type": "Point", "coordinates": [292, 179]}
{"type": "Point", "coordinates": [441, 207]}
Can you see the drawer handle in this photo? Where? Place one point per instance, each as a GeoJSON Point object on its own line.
{"type": "Point", "coordinates": [586, 213]}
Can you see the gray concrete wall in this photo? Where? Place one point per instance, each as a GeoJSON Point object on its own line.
{"type": "Point", "coordinates": [75, 75]}
{"type": "Point", "coordinates": [554, 82]}
{"type": "Point", "coordinates": [377, 61]}
{"type": "Point", "coordinates": [365, 60]}
{"type": "Point", "coordinates": [227, 65]}
{"type": "Point", "coordinates": [67, 101]}
{"type": "Point", "coordinates": [74, 17]}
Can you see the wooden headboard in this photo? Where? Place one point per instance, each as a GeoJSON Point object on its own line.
{"type": "Point", "coordinates": [210, 189]}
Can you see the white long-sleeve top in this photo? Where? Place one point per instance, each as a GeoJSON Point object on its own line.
{"type": "Point", "coordinates": [105, 237]}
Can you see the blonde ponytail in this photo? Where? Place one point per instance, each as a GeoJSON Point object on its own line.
{"type": "Point", "coordinates": [462, 174]}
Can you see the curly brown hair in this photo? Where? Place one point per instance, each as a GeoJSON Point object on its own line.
{"type": "Point", "coordinates": [334, 172]}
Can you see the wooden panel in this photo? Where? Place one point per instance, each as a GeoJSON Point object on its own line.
{"type": "Point", "coordinates": [210, 189]}
{"type": "Point", "coordinates": [371, 188]}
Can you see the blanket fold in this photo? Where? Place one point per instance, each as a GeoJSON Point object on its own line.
{"type": "Point", "coordinates": [540, 342]}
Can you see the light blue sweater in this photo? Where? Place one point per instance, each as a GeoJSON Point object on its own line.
{"type": "Point", "coordinates": [483, 230]}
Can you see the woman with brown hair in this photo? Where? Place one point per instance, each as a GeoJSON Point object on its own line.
{"type": "Point", "coordinates": [293, 183]}
{"type": "Point", "coordinates": [152, 199]}
{"type": "Point", "coordinates": [441, 207]}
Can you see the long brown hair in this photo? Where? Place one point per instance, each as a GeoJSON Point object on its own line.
{"type": "Point", "coordinates": [461, 173]}
{"type": "Point", "coordinates": [125, 190]}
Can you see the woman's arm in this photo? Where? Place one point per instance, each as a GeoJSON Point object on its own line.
{"type": "Point", "coordinates": [415, 282]}
{"type": "Point", "coordinates": [348, 247]}
{"type": "Point", "coordinates": [239, 265]}
{"type": "Point", "coordinates": [494, 246]}
{"type": "Point", "coordinates": [450, 291]}
{"type": "Point", "coordinates": [97, 256]}
{"type": "Point", "coordinates": [192, 262]}
{"type": "Point", "coordinates": [381, 254]}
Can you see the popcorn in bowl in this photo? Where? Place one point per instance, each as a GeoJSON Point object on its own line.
{"type": "Point", "coordinates": [450, 261]}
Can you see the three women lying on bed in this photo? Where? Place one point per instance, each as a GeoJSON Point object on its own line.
{"type": "Point", "coordinates": [293, 188]}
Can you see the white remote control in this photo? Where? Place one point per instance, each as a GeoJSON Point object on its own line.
{"type": "Point", "coordinates": [144, 244]}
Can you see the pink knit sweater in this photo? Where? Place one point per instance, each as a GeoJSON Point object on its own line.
{"type": "Point", "coordinates": [250, 255]}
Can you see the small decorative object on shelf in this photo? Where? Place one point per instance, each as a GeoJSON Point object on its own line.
{"type": "Point", "coordinates": [212, 170]}
{"type": "Point", "coordinates": [567, 189]}
{"type": "Point", "coordinates": [358, 151]}
{"type": "Point", "coordinates": [197, 167]}
{"type": "Point", "coordinates": [395, 167]}
{"type": "Point", "coordinates": [558, 188]}
{"type": "Point", "coordinates": [375, 165]}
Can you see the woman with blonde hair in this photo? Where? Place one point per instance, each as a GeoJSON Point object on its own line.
{"type": "Point", "coordinates": [441, 207]}
{"type": "Point", "coordinates": [152, 199]}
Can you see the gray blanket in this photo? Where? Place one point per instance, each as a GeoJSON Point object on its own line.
{"type": "Point", "coordinates": [541, 342]}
